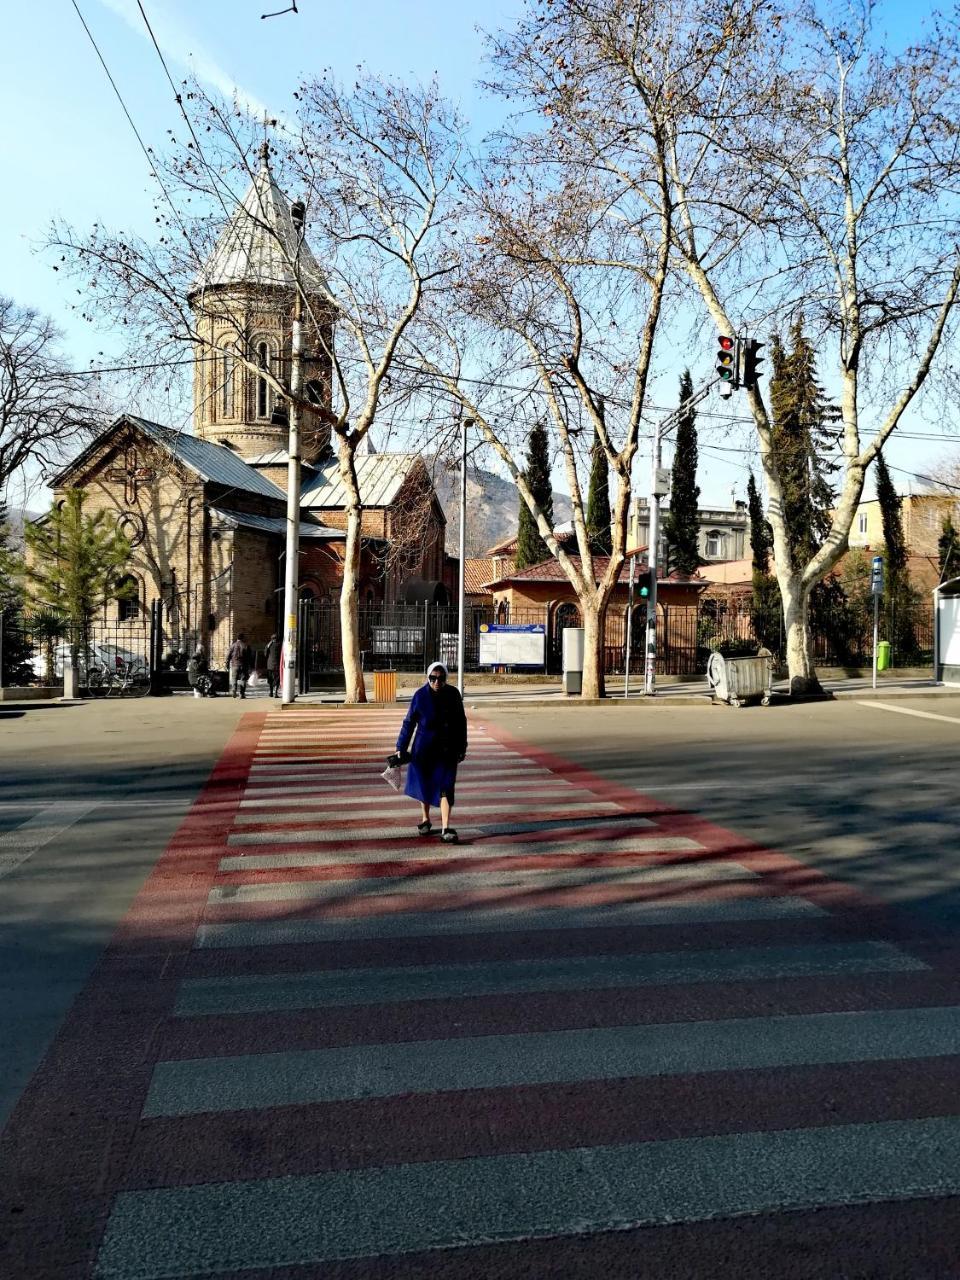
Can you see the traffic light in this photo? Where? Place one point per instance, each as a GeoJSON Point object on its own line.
{"type": "Point", "coordinates": [646, 585]}
{"type": "Point", "coordinates": [727, 364]}
{"type": "Point", "coordinates": [752, 360]}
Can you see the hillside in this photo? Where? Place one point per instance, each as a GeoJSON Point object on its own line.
{"type": "Point", "coordinates": [493, 505]}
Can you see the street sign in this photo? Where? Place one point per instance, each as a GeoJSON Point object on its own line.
{"type": "Point", "coordinates": [876, 576]}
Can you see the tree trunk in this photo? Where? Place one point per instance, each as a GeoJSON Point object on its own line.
{"type": "Point", "coordinates": [593, 680]}
{"type": "Point", "coordinates": [796, 607]}
{"type": "Point", "coordinates": [355, 690]}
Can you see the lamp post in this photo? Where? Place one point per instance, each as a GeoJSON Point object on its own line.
{"type": "Point", "coordinates": [462, 586]}
{"type": "Point", "coordinates": [292, 562]}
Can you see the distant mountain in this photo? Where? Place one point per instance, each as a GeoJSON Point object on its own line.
{"type": "Point", "coordinates": [15, 522]}
{"type": "Point", "coordinates": [493, 506]}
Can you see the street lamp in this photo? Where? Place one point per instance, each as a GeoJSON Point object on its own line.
{"type": "Point", "coordinates": [291, 576]}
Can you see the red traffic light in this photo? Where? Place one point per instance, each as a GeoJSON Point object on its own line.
{"type": "Point", "coordinates": [726, 344]}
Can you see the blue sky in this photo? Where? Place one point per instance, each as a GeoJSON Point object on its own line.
{"type": "Point", "coordinates": [67, 149]}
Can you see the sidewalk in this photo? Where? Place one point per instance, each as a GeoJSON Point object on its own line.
{"type": "Point", "coordinates": [670, 691]}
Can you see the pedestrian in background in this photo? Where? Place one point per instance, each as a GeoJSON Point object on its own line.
{"type": "Point", "coordinates": [240, 663]}
{"type": "Point", "coordinates": [197, 669]}
{"type": "Point", "coordinates": [435, 732]}
{"type": "Point", "coordinates": [272, 655]}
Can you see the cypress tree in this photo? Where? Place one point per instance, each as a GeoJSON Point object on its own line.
{"type": "Point", "coordinates": [890, 514]}
{"type": "Point", "coordinates": [598, 500]}
{"type": "Point", "coordinates": [761, 536]}
{"type": "Point", "coordinates": [531, 548]}
{"type": "Point", "coordinates": [16, 647]}
{"type": "Point", "coordinates": [948, 550]}
{"type": "Point", "coordinates": [681, 525]}
{"type": "Point", "coordinates": [765, 607]}
{"type": "Point", "coordinates": [901, 602]}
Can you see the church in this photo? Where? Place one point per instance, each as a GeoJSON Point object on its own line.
{"type": "Point", "coordinates": [205, 512]}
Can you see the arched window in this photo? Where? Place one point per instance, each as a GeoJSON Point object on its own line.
{"type": "Point", "coordinates": [228, 364]}
{"type": "Point", "coordinates": [128, 599]}
{"type": "Point", "coordinates": [715, 542]}
{"type": "Point", "coordinates": [264, 357]}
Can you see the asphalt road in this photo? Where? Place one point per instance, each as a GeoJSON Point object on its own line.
{"type": "Point", "coordinates": [90, 794]}
{"type": "Point", "coordinates": [603, 1037]}
{"type": "Point", "coordinates": [866, 793]}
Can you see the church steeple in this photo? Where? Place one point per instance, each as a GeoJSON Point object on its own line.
{"type": "Point", "coordinates": [243, 300]}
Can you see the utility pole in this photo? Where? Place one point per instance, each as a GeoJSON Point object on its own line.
{"type": "Point", "coordinates": [292, 562]}
{"type": "Point", "coordinates": [462, 586]}
{"type": "Point", "coordinates": [626, 665]}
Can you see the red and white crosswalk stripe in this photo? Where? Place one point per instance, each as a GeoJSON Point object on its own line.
{"type": "Point", "coordinates": [598, 1035]}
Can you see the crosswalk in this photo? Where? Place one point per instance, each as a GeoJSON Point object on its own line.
{"type": "Point", "coordinates": [592, 1016]}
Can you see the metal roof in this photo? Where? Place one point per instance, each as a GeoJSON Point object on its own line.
{"type": "Point", "coordinates": [276, 524]}
{"type": "Point", "coordinates": [258, 245]}
{"type": "Point", "coordinates": [379, 476]}
{"type": "Point", "coordinates": [213, 462]}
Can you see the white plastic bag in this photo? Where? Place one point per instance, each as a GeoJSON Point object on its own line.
{"type": "Point", "coordinates": [393, 777]}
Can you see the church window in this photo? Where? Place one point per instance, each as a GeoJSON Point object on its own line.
{"type": "Point", "coordinates": [263, 387]}
{"type": "Point", "coordinates": [227, 384]}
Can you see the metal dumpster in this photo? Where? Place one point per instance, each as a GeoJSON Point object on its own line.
{"type": "Point", "coordinates": [734, 680]}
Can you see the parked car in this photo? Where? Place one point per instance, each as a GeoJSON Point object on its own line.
{"type": "Point", "coordinates": [100, 658]}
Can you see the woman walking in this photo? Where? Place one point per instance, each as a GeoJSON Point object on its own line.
{"type": "Point", "coordinates": [438, 726]}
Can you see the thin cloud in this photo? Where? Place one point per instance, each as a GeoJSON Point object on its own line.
{"type": "Point", "coordinates": [181, 47]}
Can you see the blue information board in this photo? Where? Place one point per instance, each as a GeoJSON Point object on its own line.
{"type": "Point", "coordinates": [512, 644]}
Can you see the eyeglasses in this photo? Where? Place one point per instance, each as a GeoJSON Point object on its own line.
{"type": "Point", "coordinates": [438, 679]}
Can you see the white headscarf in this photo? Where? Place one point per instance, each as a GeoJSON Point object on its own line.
{"type": "Point", "coordinates": [437, 666]}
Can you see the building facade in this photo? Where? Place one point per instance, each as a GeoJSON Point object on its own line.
{"type": "Point", "coordinates": [205, 512]}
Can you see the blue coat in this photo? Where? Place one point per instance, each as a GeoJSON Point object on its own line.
{"type": "Point", "coordinates": [438, 727]}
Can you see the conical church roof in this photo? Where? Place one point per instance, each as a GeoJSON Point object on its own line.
{"type": "Point", "coordinates": [258, 246]}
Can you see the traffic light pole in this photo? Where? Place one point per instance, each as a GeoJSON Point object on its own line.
{"type": "Point", "coordinates": [626, 663]}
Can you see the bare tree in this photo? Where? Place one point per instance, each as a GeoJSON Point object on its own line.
{"type": "Point", "coordinates": [45, 407]}
{"type": "Point", "coordinates": [377, 168]}
{"type": "Point", "coordinates": [812, 169]}
{"type": "Point", "coordinates": [562, 297]}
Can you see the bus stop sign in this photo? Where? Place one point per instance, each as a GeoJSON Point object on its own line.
{"type": "Point", "coordinates": [876, 576]}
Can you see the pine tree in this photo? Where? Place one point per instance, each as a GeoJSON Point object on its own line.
{"type": "Point", "coordinates": [74, 562]}
{"type": "Point", "coordinates": [948, 550]}
{"type": "Point", "coordinates": [531, 548]}
{"type": "Point", "coordinates": [598, 500]}
{"type": "Point", "coordinates": [681, 525]}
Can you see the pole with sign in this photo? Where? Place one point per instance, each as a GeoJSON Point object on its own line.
{"type": "Point", "coordinates": [876, 590]}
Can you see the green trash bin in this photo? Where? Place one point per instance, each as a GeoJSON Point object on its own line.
{"type": "Point", "coordinates": [883, 655]}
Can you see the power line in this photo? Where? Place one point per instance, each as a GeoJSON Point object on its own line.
{"type": "Point", "coordinates": [143, 146]}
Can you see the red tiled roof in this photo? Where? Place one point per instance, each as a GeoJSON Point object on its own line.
{"type": "Point", "coordinates": [552, 571]}
{"type": "Point", "coordinates": [476, 574]}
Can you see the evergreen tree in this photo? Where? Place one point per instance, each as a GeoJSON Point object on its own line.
{"type": "Point", "coordinates": [15, 647]}
{"type": "Point", "coordinates": [681, 525]}
{"type": "Point", "coordinates": [800, 442]}
{"type": "Point", "coordinates": [598, 500]}
{"type": "Point", "coordinates": [892, 518]}
{"type": "Point", "coordinates": [74, 562]}
{"type": "Point", "coordinates": [531, 548]}
{"type": "Point", "coordinates": [901, 602]}
{"type": "Point", "coordinates": [948, 550]}
{"type": "Point", "coordinates": [765, 608]}
{"type": "Point", "coordinates": [761, 536]}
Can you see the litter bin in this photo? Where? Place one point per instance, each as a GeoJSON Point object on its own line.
{"type": "Point", "coordinates": [883, 655]}
{"type": "Point", "coordinates": [384, 686]}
